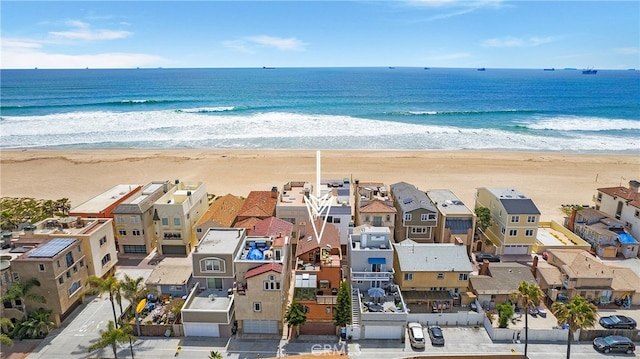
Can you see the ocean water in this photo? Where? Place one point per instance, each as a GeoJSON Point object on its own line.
{"type": "Point", "coordinates": [322, 108]}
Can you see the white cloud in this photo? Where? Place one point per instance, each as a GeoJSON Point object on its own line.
{"type": "Point", "coordinates": [278, 42]}
{"type": "Point", "coordinates": [460, 7]}
{"type": "Point", "coordinates": [510, 41]}
{"type": "Point", "coordinates": [82, 31]}
{"type": "Point", "coordinates": [238, 45]}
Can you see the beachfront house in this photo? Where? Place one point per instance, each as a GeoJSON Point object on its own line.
{"type": "Point", "coordinates": [60, 265]}
{"type": "Point", "coordinates": [133, 219]}
{"type": "Point", "coordinates": [378, 309]}
{"type": "Point", "coordinates": [174, 215]}
{"type": "Point", "coordinates": [373, 206]}
{"type": "Point", "coordinates": [417, 217]}
{"type": "Point", "coordinates": [432, 278]}
{"type": "Point", "coordinates": [221, 214]}
{"type": "Point", "coordinates": [606, 235]}
{"type": "Point", "coordinates": [262, 282]}
{"type": "Point", "coordinates": [318, 274]}
{"type": "Point", "coordinates": [456, 222]}
{"type": "Point", "coordinates": [515, 218]}
{"type": "Point", "coordinates": [102, 205]}
{"type": "Point", "coordinates": [209, 310]}
{"type": "Point", "coordinates": [622, 203]}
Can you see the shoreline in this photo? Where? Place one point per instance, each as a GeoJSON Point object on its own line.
{"type": "Point", "coordinates": [550, 179]}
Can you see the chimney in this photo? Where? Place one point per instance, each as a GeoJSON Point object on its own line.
{"type": "Point", "coordinates": [484, 270]}
{"type": "Point", "coordinates": [634, 186]}
{"type": "Point", "coordinates": [534, 267]}
{"type": "Point", "coordinates": [274, 192]}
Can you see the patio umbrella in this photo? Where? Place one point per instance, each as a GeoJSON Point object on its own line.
{"type": "Point", "coordinates": [375, 292]}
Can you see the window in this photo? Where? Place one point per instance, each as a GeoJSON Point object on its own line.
{"type": "Point", "coordinates": [432, 216]}
{"type": "Point", "coordinates": [198, 230]}
{"type": "Point", "coordinates": [418, 230]}
{"type": "Point", "coordinates": [424, 217]}
{"type": "Point", "coordinates": [388, 217]}
{"type": "Point", "coordinates": [408, 276]}
{"type": "Point", "coordinates": [176, 221]}
{"type": "Point", "coordinates": [325, 284]}
{"type": "Point", "coordinates": [513, 232]}
{"type": "Point", "coordinates": [165, 221]}
{"type": "Point", "coordinates": [257, 306]}
{"type": "Point", "coordinates": [336, 220]}
{"type": "Point", "coordinates": [103, 240]}
{"type": "Point", "coordinates": [119, 219]}
{"type": "Point", "coordinates": [515, 219]}
{"type": "Point", "coordinates": [528, 233]}
{"type": "Point", "coordinates": [329, 219]}
{"type": "Point", "coordinates": [135, 219]}
{"type": "Point", "coordinates": [69, 259]}
{"type": "Point", "coordinates": [278, 254]}
{"type": "Point", "coordinates": [135, 232]}
{"type": "Point", "coordinates": [81, 263]}
{"type": "Point", "coordinates": [407, 216]}
{"type": "Point", "coordinates": [68, 274]}
{"type": "Point", "coordinates": [75, 269]}
{"type": "Point", "coordinates": [440, 276]}
{"type": "Point", "coordinates": [106, 259]}
{"type": "Point", "coordinates": [74, 288]}
{"type": "Point", "coordinates": [16, 276]}
{"type": "Point", "coordinates": [367, 219]}
{"type": "Point", "coordinates": [531, 219]}
{"type": "Point", "coordinates": [58, 263]}
{"type": "Point", "coordinates": [502, 230]}
{"type": "Point", "coordinates": [175, 288]}
{"type": "Point", "coordinates": [271, 284]}
{"type": "Point", "coordinates": [327, 310]}
{"type": "Point", "coordinates": [122, 232]}
{"type": "Point", "coordinates": [41, 267]}
{"type": "Point", "coordinates": [212, 265]}
{"type": "Point", "coordinates": [214, 283]}
{"type": "Point", "coordinates": [463, 276]}
{"type": "Point", "coordinates": [60, 280]}
{"type": "Point", "coordinates": [637, 214]}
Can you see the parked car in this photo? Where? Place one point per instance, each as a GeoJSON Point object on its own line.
{"type": "Point", "coordinates": [436, 336]}
{"type": "Point", "coordinates": [614, 343]}
{"type": "Point", "coordinates": [480, 257]}
{"type": "Point", "coordinates": [618, 322]}
{"type": "Point", "coordinates": [416, 335]}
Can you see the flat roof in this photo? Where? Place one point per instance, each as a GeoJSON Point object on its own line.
{"type": "Point", "coordinates": [172, 270]}
{"type": "Point", "coordinates": [100, 202]}
{"type": "Point", "coordinates": [448, 203]}
{"type": "Point", "coordinates": [221, 240]}
{"type": "Point", "coordinates": [210, 300]}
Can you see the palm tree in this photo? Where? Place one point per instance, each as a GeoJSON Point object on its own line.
{"type": "Point", "coordinates": [529, 295]}
{"type": "Point", "coordinates": [105, 285]}
{"type": "Point", "coordinates": [133, 290]}
{"type": "Point", "coordinates": [37, 326]}
{"type": "Point", "coordinates": [112, 336]}
{"type": "Point", "coordinates": [295, 315]}
{"type": "Point", "coordinates": [5, 339]}
{"type": "Point", "coordinates": [214, 354]}
{"type": "Point", "coordinates": [22, 291]}
{"type": "Point", "coordinates": [578, 313]}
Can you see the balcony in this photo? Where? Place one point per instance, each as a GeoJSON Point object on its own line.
{"type": "Point", "coordinates": [372, 276]}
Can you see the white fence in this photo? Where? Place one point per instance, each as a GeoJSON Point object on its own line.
{"type": "Point", "coordinates": [468, 318]}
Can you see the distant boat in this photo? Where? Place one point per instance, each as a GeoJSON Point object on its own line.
{"type": "Point", "coordinates": [589, 72]}
{"type": "Point", "coordinates": [267, 68]}
{"type": "Point", "coordinates": [482, 69]}
{"type": "Point", "coordinates": [391, 68]}
{"type": "Point", "coordinates": [550, 69]}
{"type": "Point", "coordinates": [427, 68]}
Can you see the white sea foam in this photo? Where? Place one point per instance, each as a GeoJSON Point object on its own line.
{"type": "Point", "coordinates": [576, 123]}
{"type": "Point", "coordinates": [208, 109]}
{"type": "Point", "coordinates": [170, 129]}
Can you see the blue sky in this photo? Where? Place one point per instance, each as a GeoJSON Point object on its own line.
{"type": "Point", "coordinates": [433, 33]}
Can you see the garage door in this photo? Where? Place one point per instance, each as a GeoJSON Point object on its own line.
{"type": "Point", "coordinates": [383, 332]}
{"type": "Point", "coordinates": [201, 330]}
{"type": "Point", "coordinates": [179, 250]}
{"type": "Point", "coordinates": [517, 249]}
{"type": "Point", "coordinates": [260, 326]}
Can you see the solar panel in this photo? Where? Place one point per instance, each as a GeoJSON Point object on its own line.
{"type": "Point", "coordinates": [51, 248]}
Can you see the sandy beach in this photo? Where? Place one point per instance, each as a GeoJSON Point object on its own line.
{"type": "Point", "coordinates": [550, 179]}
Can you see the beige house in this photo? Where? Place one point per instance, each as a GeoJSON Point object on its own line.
{"type": "Point", "coordinates": [495, 282]}
{"type": "Point", "coordinates": [60, 265]}
{"type": "Point", "coordinates": [95, 235]}
{"type": "Point", "coordinates": [622, 203]}
{"type": "Point", "coordinates": [175, 214]}
{"type": "Point", "coordinates": [431, 277]}
{"type": "Point", "coordinates": [373, 206]}
{"type": "Point", "coordinates": [456, 222]}
{"type": "Point", "coordinates": [417, 217]}
{"type": "Point", "coordinates": [514, 220]}
{"type": "Point", "coordinates": [209, 310]}
{"type": "Point", "coordinates": [133, 219]}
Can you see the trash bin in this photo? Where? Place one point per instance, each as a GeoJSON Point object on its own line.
{"type": "Point", "coordinates": [343, 333]}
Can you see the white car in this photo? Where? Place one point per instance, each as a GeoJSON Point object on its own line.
{"type": "Point", "coordinates": [416, 335]}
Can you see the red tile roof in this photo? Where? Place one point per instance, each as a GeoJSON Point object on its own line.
{"type": "Point", "coordinates": [377, 207]}
{"type": "Point", "coordinates": [247, 224]}
{"type": "Point", "coordinates": [330, 236]}
{"type": "Point", "coordinates": [223, 210]}
{"type": "Point", "coordinates": [276, 267]}
{"type": "Point", "coordinates": [272, 226]}
{"type": "Point", "coordinates": [260, 204]}
{"type": "Point", "coordinates": [622, 192]}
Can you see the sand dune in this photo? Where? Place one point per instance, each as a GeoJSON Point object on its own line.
{"type": "Point", "coordinates": [550, 179]}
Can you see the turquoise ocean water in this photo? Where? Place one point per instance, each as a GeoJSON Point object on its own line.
{"type": "Point", "coordinates": [322, 108]}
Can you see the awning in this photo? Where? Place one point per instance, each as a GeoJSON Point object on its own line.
{"type": "Point", "coordinates": [626, 238]}
{"type": "Point", "coordinates": [306, 280]}
{"type": "Point", "coordinates": [377, 261]}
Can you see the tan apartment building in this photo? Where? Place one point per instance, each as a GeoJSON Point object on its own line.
{"type": "Point", "coordinates": [60, 266]}
{"type": "Point", "coordinates": [456, 222]}
{"type": "Point", "coordinates": [133, 219]}
{"type": "Point", "coordinates": [514, 217]}
{"type": "Point", "coordinates": [95, 235]}
{"type": "Point", "coordinates": [209, 310]}
{"type": "Point", "coordinates": [374, 206]}
{"type": "Point", "coordinates": [417, 217]}
{"type": "Point", "coordinates": [175, 214]}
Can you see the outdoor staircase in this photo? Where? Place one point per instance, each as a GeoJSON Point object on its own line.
{"type": "Point", "coordinates": [355, 307]}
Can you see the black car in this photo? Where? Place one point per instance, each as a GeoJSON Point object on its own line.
{"type": "Point", "coordinates": [435, 334]}
{"type": "Point", "coordinates": [480, 257]}
{"type": "Point", "coordinates": [614, 343]}
{"type": "Point", "coordinates": [618, 322]}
